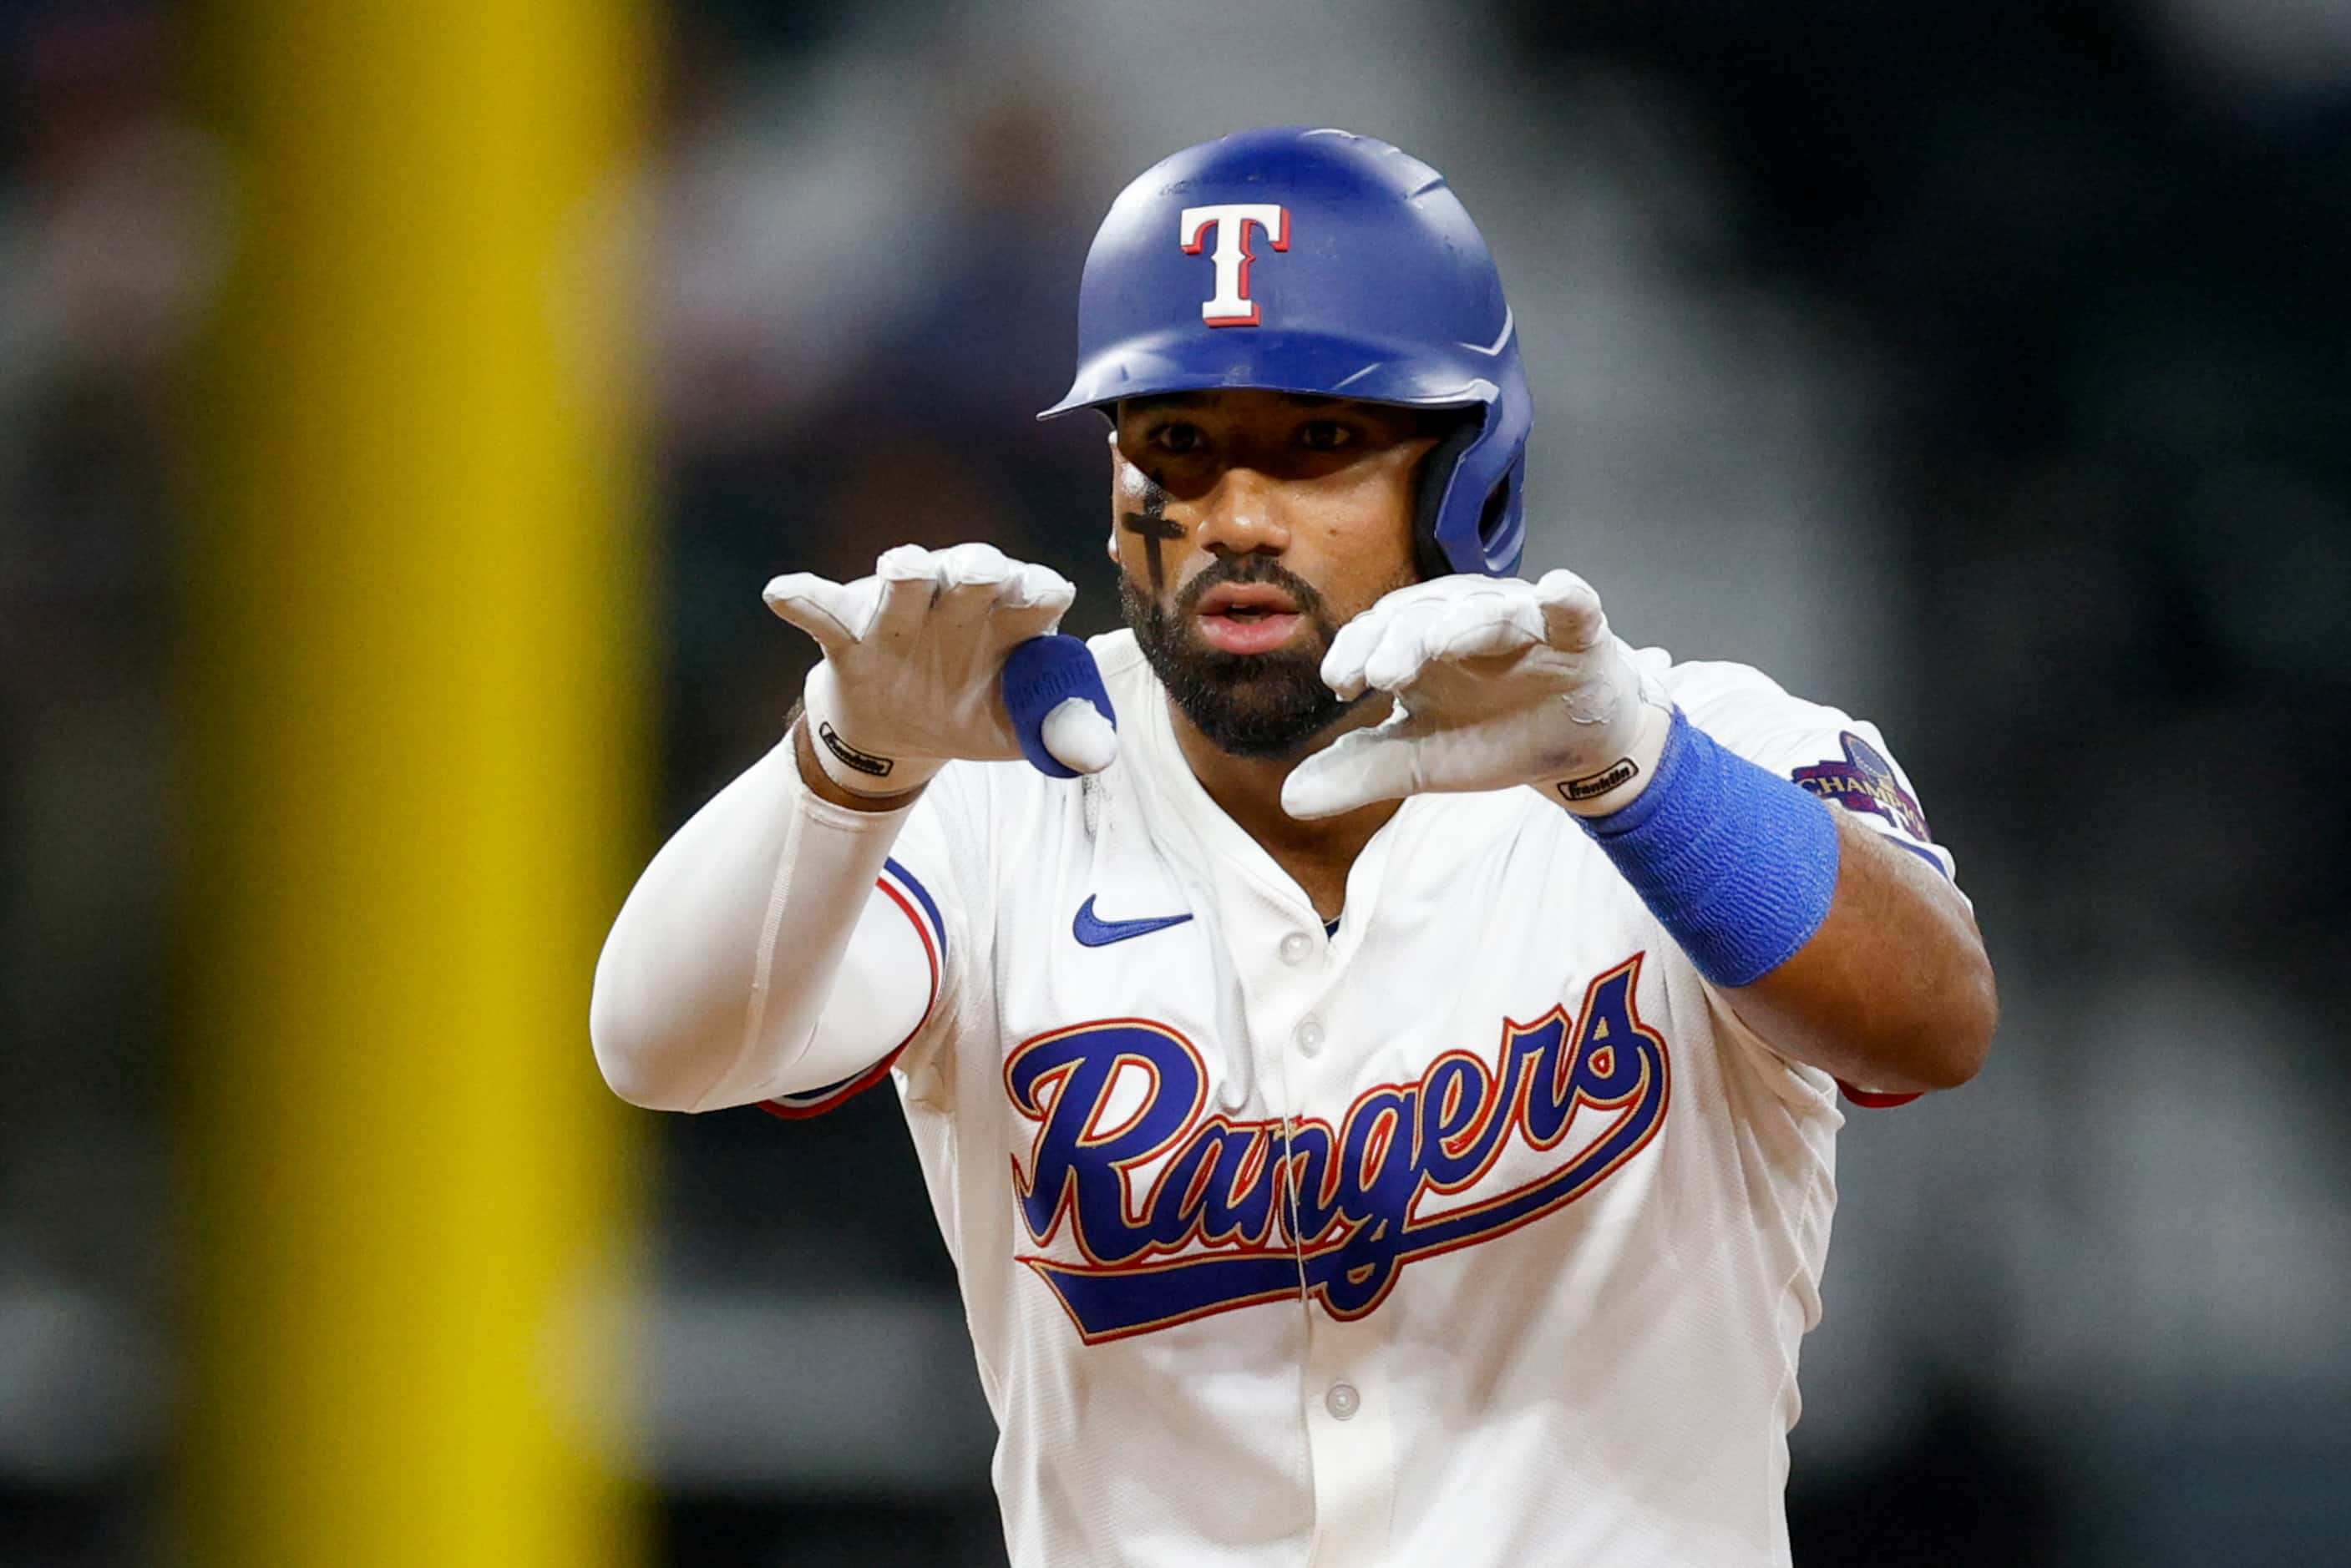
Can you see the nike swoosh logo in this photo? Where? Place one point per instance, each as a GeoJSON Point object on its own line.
{"type": "Point", "coordinates": [1093, 933]}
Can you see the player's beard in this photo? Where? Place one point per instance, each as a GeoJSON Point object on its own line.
{"type": "Point", "coordinates": [1248, 704]}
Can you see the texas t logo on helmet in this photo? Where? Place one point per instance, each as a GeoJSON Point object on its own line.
{"type": "Point", "coordinates": [1231, 305]}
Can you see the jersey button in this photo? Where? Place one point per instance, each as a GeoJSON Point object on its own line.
{"type": "Point", "coordinates": [1309, 1037]}
{"type": "Point", "coordinates": [1342, 1401]}
{"type": "Point", "coordinates": [1294, 947]}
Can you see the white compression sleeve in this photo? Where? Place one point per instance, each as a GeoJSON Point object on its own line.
{"type": "Point", "coordinates": [754, 957]}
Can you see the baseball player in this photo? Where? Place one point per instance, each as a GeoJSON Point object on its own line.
{"type": "Point", "coordinates": [1376, 1061]}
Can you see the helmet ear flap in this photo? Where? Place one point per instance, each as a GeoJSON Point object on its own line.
{"type": "Point", "coordinates": [1428, 493]}
{"type": "Point", "coordinates": [1497, 515]}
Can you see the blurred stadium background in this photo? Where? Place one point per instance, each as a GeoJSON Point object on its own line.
{"type": "Point", "coordinates": [402, 406]}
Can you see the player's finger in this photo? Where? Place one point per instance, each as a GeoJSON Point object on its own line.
{"type": "Point", "coordinates": [1503, 620]}
{"type": "Point", "coordinates": [1079, 736]}
{"type": "Point", "coordinates": [1573, 620]}
{"type": "Point", "coordinates": [1023, 599]}
{"type": "Point", "coordinates": [826, 610]}
{"type": "Point", "coordinates": [1031, 603]}
{"type": "Point", "coordinates": [1032, 586]}
{"type": "Point", "coordinates": [906, 564]}
{"type": "Point", "coordinates": [976, 560]}
{"type": "Point", "coordinates": [966, 581]}
{"type": "Point", "coordinates": [1042, 586]}
{"type": "Point", "coordinates": [1403, 648]}
{"type": "Point", "coordinates": [908, 575]}
{"type": "Point", "coordinates": [971, 566]}
{"type": "Point", "coordinates": [1356, 769]}
{"type": "Point", "coordinates": [1343, 667]}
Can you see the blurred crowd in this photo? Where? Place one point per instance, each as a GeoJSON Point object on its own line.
{"type": "Point", "coordinates": [1985, 369]}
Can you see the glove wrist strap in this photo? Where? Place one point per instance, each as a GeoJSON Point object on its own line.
{"type": "Point", "coordinates": [1618, 784]}
{"type": "Point", "coordinates": [852, 767]}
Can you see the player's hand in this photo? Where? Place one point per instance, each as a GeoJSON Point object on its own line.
{"type": "Point", "coordinates": [1496, 681]}
{"type": "Point", "coordinates": [912, 658]}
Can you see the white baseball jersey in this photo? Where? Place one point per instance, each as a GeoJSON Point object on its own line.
{"type": "Point", "coordinates": [1472, 1230]}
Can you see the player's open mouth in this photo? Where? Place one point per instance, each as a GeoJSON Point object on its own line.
{"type": "Point", "coordinates": [1246, 617]}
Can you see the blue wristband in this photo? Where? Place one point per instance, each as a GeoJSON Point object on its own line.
{"type": "Point", "coordinates": [1739, 864]}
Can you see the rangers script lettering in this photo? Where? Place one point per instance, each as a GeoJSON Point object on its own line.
{"type": "Point", "coordinates": [1252, 1206]}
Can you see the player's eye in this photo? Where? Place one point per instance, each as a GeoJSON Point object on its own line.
{"type": "Point", "coordinates": [1324, 435]}
{"type": "Point", "coordinates": [1177, 436]}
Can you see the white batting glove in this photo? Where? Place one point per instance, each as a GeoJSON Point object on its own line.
{"type": "Point", "coordinates": [913, 657]}
{"type": "Point", "coordinates": [1497, 681]}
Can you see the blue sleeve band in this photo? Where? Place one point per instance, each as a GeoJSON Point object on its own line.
{"type": "Point", "coordinates": [1739, 864]}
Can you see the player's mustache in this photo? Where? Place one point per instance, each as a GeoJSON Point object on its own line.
{"type": "Point", "coordinates": [1253, 568]}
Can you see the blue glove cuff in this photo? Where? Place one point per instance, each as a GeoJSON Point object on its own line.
{"type": "Point", "coordinates": [1737, 863]}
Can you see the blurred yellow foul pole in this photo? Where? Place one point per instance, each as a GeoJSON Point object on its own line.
{"type": "Point", "coordinates": [414, 780]}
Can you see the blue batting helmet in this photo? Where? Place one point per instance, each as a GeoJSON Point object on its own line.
{"type": "Point", "coordinates": [1318, 262]}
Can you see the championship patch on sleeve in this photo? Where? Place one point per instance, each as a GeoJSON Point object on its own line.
{"type": "Point", "coordinates": [1863, 780]}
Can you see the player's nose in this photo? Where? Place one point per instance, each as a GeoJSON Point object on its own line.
{"type": "Point", "coordinates": [1244, 515]}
